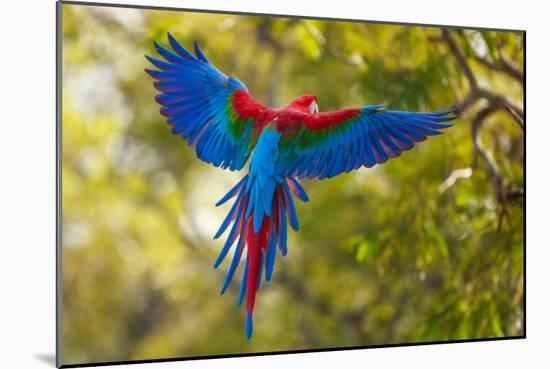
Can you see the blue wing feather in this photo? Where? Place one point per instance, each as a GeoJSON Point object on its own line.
{"type": "Point", "coordinates": [194, 96]}
{"type": "Point", "coordinates": [371, 138]}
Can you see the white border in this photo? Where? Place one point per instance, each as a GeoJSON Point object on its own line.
{"type": "Point", "coordinates": [27, 161]}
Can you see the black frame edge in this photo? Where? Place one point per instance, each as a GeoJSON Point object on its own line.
{"type": "Point", "coordinates": [58, 88]}
{"type": "Point", "coordinates": [525, 184]}
{"type": "Point", "coordinates": [305, 351]}
{"type": "Point", "coordinates": [58, 193]}
{"type": "Point", "coordinates": [276, 15]}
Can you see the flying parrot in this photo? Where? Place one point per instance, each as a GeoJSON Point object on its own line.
{"type": "Point", "coordinates": [217, 116]}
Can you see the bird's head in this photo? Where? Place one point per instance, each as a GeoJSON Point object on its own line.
{"type": "Point", "coordinates": [306, 103]}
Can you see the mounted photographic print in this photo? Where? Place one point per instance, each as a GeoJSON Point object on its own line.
{"type": "Point", "coordinates": [235, 184]}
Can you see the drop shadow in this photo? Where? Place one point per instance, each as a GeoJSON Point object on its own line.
{"type": "Point", "coordinates": [46, 358]}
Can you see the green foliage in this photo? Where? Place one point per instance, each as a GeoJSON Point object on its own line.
{"type": "Point", "coordinates": [396, 253]}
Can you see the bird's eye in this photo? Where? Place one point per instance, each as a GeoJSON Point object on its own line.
{"type": "Point", "coordinates": [313, 107]}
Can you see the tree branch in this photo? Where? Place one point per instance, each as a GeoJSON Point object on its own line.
{"type": "Point", "coordinates": [503, 193]}
{"type": "Point", "coordinates": [501, 101]}
{"type": "Point", "coordinates": [480, 150]}
{"type": "Point", "coordinates": [504, 66]}
{"type": "Point", "coordinates": [460, 58]}
{"type": "Point", "coordinates": [510, 67]}
{"type": "Point", "coordinates": [476, 92]}
{"type": "Point", "coordinates": [495, 102]}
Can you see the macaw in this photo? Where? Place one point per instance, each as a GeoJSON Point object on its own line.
{"type": "Point", "coordinates": [217, 115]}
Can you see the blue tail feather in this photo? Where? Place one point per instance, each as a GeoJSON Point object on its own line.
{"type": "Point", "coordinates": [249, 325]}
{"type": "Point", "coordinates": [243, 283]}
{"type": "Point", "coordinates": [250, 201]}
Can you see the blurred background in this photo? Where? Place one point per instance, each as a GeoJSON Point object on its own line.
{"type": "Point", "coordinates": [427, 247]}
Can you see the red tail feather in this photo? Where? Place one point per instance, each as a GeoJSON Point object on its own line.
{"type": "Point", "coordinates": [256, 245]}
{"type": "Point", "coordinates": [260, 247]}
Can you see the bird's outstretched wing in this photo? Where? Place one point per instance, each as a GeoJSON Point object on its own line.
{"type": "Point", "coordinates": [329, 143]}
{"type": "Point", "coordinates": [213, 112]}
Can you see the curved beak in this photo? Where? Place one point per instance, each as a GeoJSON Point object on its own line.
{"type": "Point", "coordinates": [313, 107]}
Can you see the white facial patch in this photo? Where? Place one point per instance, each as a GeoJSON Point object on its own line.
{"type": "Point", "coordinates": [313, 107]}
